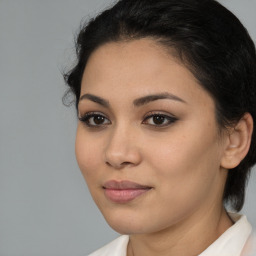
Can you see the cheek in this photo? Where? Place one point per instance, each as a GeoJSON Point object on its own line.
{"type": "Point", "coordinates": [186, 164]}
{"type": "Point", "coordinates": [187, 147]}
{"type": "Point", "coordinates": [87, 154]}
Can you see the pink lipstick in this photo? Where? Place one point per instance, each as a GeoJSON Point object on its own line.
{"type": "Point", "coordinates": [123, 191]}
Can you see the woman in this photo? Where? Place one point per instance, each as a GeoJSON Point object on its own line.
{"type": "Point", "coordinates": [166, 100]}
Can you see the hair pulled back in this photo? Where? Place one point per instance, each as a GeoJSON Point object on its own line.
{"type": "Point", "coordinates": [207, 38]}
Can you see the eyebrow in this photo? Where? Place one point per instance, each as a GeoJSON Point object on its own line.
{"type": "Point", "coordinates": [97, 99]}
{"type": "Point", "coordinates": [138, 102]}
{"type": "Point", "coordinates": [154, 97]}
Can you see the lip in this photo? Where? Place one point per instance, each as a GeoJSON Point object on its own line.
{"type": "Point", "coordinates": [124, 191]}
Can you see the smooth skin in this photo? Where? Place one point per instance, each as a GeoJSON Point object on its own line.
{"type": "Point", "coordinates": [170, 143]}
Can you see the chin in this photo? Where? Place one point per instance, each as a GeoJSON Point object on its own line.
{"type": "Point", "coordinates": [125, 223]}
{"type": "Point", "coordinates": [127, 228]}
{"type": "Point", "coordinates": [128, 223]}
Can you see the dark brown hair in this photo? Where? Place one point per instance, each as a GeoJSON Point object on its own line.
{"type": "Point", "coordinates": [208, 38]}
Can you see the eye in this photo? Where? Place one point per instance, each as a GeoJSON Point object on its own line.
{"type": "Point", "coordinates": [94, 119]}
{"type": "Point", "coordinates": [159, 120]}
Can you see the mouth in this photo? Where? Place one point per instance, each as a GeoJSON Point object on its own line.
{"type": "Point", "coordinates": [124, 191]}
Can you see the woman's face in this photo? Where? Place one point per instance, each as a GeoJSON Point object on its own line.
{"type": "Point", "coordinates": [147, 140]}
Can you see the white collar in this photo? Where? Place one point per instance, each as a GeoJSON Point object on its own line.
{"type": "Point", "coordinates": [230, 243]}
{"type": "Point", "coordinates": [233, 240]}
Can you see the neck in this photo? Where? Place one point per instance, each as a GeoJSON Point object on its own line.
{"type": "Point", "coordinates": [179, 240]}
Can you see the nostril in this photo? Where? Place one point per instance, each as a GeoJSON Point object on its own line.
{"type": "Point", "coordinates": [107, 163]}
{"type": "Point", "coordinates": [125, 163]}
{"type": "Point", "coordinates": [119, 158]}
{"type": "Point", "coordinates": [118, 166]}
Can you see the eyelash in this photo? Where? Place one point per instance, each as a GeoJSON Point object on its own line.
{"type": "Point", "coordinates": [168, 119]}
{"type": "Point", "coordinates": [86, 119]}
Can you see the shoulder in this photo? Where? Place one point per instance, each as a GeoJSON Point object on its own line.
{"type": "Point", "coordinates": [235, 241]}
{"type": "Point", "coordinates": [117, 247]}
{"type": "Point", "coordinates": [250, 246]}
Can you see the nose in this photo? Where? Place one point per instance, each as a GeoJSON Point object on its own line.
{"type": "Point", "coordinates": [122, 149]}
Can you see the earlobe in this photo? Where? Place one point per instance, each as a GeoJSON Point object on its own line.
{"type": "Point", "coordinates": [239, 140]}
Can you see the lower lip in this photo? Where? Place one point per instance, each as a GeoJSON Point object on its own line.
{"type": "Point", "coordinates": [124, 195]}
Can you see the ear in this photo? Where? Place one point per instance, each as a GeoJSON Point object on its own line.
{"type": "Point", "coordinates": [238, 142]}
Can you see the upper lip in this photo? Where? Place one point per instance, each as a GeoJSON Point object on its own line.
{"type": "Point", "coordinates": [124, 184]}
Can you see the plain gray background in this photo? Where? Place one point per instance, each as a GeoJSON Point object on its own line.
{"type": "Point", "coordinates": [45, 207]}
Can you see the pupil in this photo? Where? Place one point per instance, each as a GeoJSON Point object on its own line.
{"type": "Point", "coordinates": [98, 119]}
{"type": "Point", "coordinates": [158, 119]}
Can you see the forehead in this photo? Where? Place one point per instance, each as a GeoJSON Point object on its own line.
{"type": "Point", "coordinates": [140, 67]}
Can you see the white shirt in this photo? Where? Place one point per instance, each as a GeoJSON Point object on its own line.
{"type": "Point", "coordinates": [235, 241]}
